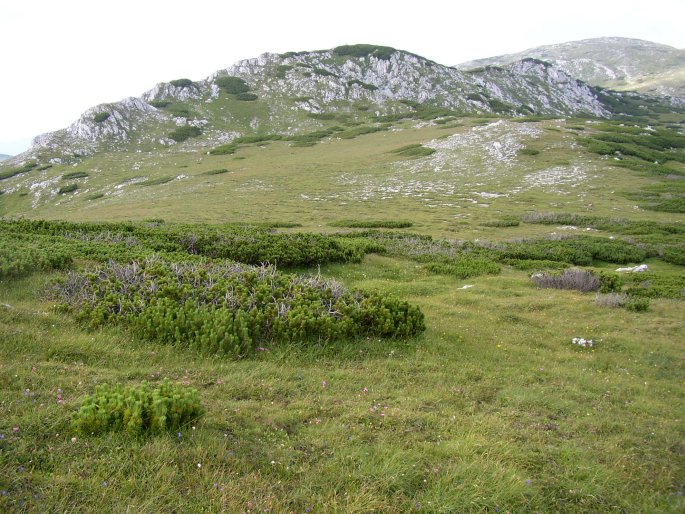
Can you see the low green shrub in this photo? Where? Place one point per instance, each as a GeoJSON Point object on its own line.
{"type": "Point", "coordinates": [233, 85]}
{"type": "Point", "coordinates": [227, 149]}
{"type": "Point", "coordinates": [655, 285]}
{"type": "Point", "coordinates": [323, 72]}
{"type": "Point", "coordinates": [137, 410]}
{"type": "Point", "coordinates": [581, 251]}
{"type": "Point", "coordinates": [381, 52]}
{"type": "Point", "coordinates": [159, 104]}
{"type": "Point", "coordinates": [609, 282]}
{"type": "Point", "coordinates": [359, 131]}
{"type": "Point", "coordinates": [257, 138]}
{"type": "Point", "coordinates": [24, 168]}
{"type": "Point", "coordinates": [74, 175]}
{"type": "Point", "coordinates": [502, 222]}
{"type": "Point", "coordinates": [216, 172]}
{"type": "Point", "coordinates": [303, 144]}
{"type": "Point", "coordinates": [528, 151]}
{"type": "Point", "coordinates": [281, 70]}
{"type": "Point", "coordinates": [179, 110]}
{"type": "Point", "coordinates": [182, 83]}
{"type": "Point", "coordinates": [230, 309]}
{"type": "Point", "coordinates": [323, 116]}
{"type": "Point", "coordinates": [464, 267]}
{"type": "Point", "coordinates": [675, 254]}
{"type": "Point", "coordinates": [101, 116]}
{"type": "Point", "coordinates": [20, 256]}
{"type": "Point", "coordinates": [415, 150]}
{"type": "Point", "coordinates": [246, 97]}
{"type": "Point", "coordinates": [185, 132]}
{"type": "Point", "coordinates": [499, 106]}
{"type": "Point", "coordinates": [363, 85]}
{"type": "Point", "coordinates": [636, 304]}
{"type": "Point", "coordinates": [372, 224]}
{"type": "Point", "coordinates": [67, 189]}
{"type": "Point", "coordinates": [476, 97]}
{"type": "Point", "coordinates": [157, 181]}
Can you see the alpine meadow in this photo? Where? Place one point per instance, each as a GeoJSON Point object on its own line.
{"type": "Point", "coordinates": [354, 280]}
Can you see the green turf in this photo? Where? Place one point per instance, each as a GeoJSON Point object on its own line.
{"type": "Point", "coordinates": [492, 409]}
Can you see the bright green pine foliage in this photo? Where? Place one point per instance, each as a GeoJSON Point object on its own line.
{"type": "Point", "coordinates": [137, 410]}
{"type": "Point", "coordinates": [231, 308]}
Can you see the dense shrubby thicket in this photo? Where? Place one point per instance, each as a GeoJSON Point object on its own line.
{"type": "Point", "coordinates": [185, 132]}
{"type": "Point", "coordinates": [230, 309]}
{"type": "Point", "coordinates": [381, 52]}
{"type": "Point", "coordinates": [137, 410]}
{"type": "Point", "coordinates": [124, 242]}
{"type": "Point", "coordinates": [659, 151]}
{"type": "Point", "coordinates": [20, 257]}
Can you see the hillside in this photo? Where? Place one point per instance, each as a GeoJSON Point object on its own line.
{"type": "Point", "coordinates": [4, 156]}
{"type": "Point", "coordinates": [294, 92]}
{"type": "Point", "coordinates": [296, 100]}
{"type": "Point", "coordinates": [611, 62]}
{"type": "Point", "coordinates": [348, 281]}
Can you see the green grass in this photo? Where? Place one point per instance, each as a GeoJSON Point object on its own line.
{"type": "Point", "coordinates": [491, 409]}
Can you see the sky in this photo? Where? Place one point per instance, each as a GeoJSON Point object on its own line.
{"type": "Point", "coordinates": [61, 57]}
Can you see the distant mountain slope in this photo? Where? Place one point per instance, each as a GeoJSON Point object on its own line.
{"type": "Point", "coordinates": [4, 156]}
{"type": "Point", "coordinates": [612, 62]}
{"type": "Point", "coordinates": [301, 91]}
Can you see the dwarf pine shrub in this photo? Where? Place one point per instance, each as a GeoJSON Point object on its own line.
{"type": "Point", "coordinates": [229, 309]}
{"type": "Point", "coordinates": [137, 410]}
{"type": "Point", "coordinates": [637, 304]}
{"type": "Point", "coordinates": [100, 117]}
{"type": "Point", "coordinates": [233, 85]}
{"type": "Point", "coordinates": [20, 257]}
{"type": "Point", "coordinates": [67, 189]}
{"type": "Point", "coordinates": [185, 132]}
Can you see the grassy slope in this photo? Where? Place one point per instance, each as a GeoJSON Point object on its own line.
{"type": "Point", "coordinates": [325, 183]}
{"type": "Point", "coordinates": [491, 410]}
{"type": "Point", "coordinates": [493, 407]}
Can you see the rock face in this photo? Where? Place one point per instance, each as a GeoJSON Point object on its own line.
{"type": "Point", "coordinates": [106, 124]}
{"type": "Point", "coordinates": [287, 90]}
{"type": "Point", "coordinates": [613, 62]}
{"type": "Point", "coordinates": [325, 78]}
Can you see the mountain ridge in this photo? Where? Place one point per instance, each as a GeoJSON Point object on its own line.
{"type": "Point", "coordinates": [611, 62]}
{"type": "Point", "coordinates": [286, 92]}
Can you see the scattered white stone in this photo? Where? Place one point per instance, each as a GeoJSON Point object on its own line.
{"type": "Point", "coordinates": [467, 286]}
{"type": "Point", "coordinates": [582, 342]}
{"type": "Point", "coordinates": [634, 269]}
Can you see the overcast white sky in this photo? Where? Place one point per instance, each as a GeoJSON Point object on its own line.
{"type": "Point", "coordinates": [59, 58]}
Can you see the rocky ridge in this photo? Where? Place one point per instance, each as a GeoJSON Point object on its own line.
{"type": "Point", "coordinates": [292, 87]}
{"type": "Point", "coordinates": [613, 62]}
